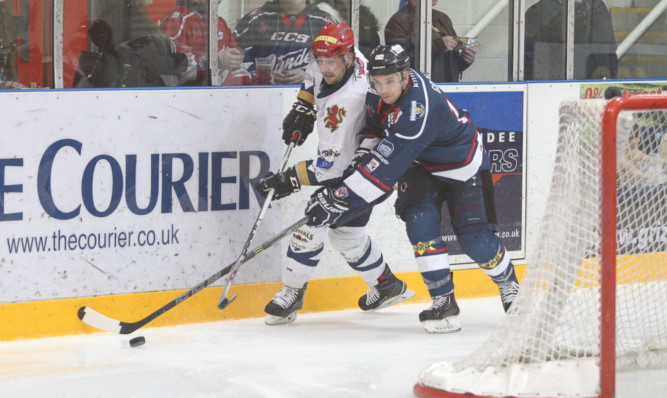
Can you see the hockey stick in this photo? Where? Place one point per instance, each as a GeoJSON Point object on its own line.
{"type": "Point", "coordinates": [224, 301]}
{"type": "Point", "coordinates": [103, 322]}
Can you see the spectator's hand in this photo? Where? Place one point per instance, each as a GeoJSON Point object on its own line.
{"type": "Point", "coordinates": [230, 58]}
{"type": "Point", "coordinates": [294, 76]}
{"type": "Point", "coordinates": [191, 73]}
{"type": "Point", "coordinates": [468, 55]}
{"type": "Point", "coordinates": [11, 84]}
{"type": "Point", "coordinates": [450, 42]}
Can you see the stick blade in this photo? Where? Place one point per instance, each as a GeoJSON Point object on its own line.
{"type": "Point", "coordinates": [99, 321]}
{"type": "Point", "coordinates": [224, 302]}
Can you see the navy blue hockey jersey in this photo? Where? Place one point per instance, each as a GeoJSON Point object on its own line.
{"type": "Point", "coordinates": [423, 126]}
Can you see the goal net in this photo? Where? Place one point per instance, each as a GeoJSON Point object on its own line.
{"type": "Point", "coordinates": [599, 267]}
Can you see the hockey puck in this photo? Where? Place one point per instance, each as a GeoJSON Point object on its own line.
{"type": "Point", "coordinates": [137, 341]}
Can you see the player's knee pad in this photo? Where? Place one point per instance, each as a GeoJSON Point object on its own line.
{"type": "Point", "coordinates": [356, 247]}
{"type": "Point", "coordinates": [350, 241]}
{"type": "Point", "coordinates": [307, 239]}
{"type": "Point", "coordinates": [416, 188]}
{"type": "Point", "coordinates": [484, 247]}
{"type": "Point", "coordinates": [422, 222]}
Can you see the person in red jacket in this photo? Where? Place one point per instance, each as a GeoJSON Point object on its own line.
{"type": "Point", "coordinates": [186, 26]}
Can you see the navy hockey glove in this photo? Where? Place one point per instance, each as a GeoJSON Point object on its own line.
{"type": "Point", "coordinates": [285, 183]}
{"type": "Point", "coordinates": [324, 208]}
{"type": "Point", "coordinates": [299, 122]}
{"type": "Point", "coordinates": [358, 156]}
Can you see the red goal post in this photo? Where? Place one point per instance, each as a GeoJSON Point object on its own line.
{"type": "Point", "coordinates": [594, 294]}
{"type": "Point", "coordinates": [608, 228]}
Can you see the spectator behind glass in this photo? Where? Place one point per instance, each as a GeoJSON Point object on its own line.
{"type": "Point", "coordinates": [276, 39]}
{"type": "Point", "coordinates": [132, 50]}
{"type": "Point", "coordinates": [594, 41]}
{"type": "Point", "coordinates": [186, 26]}
{"type": "Point", "coordinates": [449, 57]}
{"type": "Point", "coordinates": [369, 37]}
{"type": "Point", "coordinates": [10, 24]}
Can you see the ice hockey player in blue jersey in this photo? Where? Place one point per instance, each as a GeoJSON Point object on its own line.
{"type": "Point", "coordinates": [335, 90]}
{"type": "Point", "coordinates": [434, 154]}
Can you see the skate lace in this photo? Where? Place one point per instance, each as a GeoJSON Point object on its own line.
{"type": "Point", "coordinates": [508, 291]}
{"type": "Point", "coordinates": [372, 296]}
{"type": "Point", "coordinates": [439, 302]}
{"type": "Point", "coordinates": [286, 296]}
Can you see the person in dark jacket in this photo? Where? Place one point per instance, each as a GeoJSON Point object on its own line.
{"type": "Point", "coordinates": [594, 41]}
{"type": "Point", "coordinates": [131, 50]}
{"type": "Point", "coordinates": [449, 58]}
{"type": "Point", "coordinates": [369, 26]}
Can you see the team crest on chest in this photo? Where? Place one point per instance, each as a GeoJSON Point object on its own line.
{"type": "Point", "coordinates": [392, 117]}
{"type": "Point", "coordinates": [334, 117]}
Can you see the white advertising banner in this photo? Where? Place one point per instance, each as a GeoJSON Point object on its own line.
{"type": "Point", "coordinates": [114, 192]}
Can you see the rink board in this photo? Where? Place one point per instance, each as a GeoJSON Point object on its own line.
{"type": "Point", "coordinates": [59, 317]}
{"type": "Point", "coordinates": [64, 155]}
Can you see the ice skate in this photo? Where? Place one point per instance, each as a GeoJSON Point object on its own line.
{"type": "Point", "coordinates": [284, 305]}
{"type": "Point", "coordinates": [508, 292]}
{"type": "Point", "coordinates": [509, 288]}
{"type": "Point", "coordinates": [389, 291]}
{"type": "Point", "coordinates": [442, 315]}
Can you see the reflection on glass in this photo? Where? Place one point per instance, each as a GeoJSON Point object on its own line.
{"type": "Point", "coordinates": [449, 56]}
{"type": "Point", "coordinates": [283, 29]}
{"type": "Point", "coordinates": [369, 27]}
{"type": "Point", "coordinates": [24, 48]}
{"type": "Point", "coordinates": [594, 43]}
{"type": "Point", "coordinates": [644, 57]}
{"type": "Point", "coordinates": [186, 26]}
{"type": "Point", "coordinates": [123, 47]}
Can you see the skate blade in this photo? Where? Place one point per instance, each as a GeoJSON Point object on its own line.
{"type": "Point", "coordinates": [407, 295]}
{"type": "Point", "coordinates": [279, 320]}
{"type": "Point", "coordinates": [450, 324]}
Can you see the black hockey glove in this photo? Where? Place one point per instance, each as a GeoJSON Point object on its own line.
{"type": "Point", "coordinates": [324, 208]}
{"type": "Point", "coordinates": [358, 156]}
{"type": "Point", "coordinates": [299, 122]}
{"type": "Point", "coordinates": [285, 184]}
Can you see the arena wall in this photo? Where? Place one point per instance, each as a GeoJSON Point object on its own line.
{"type": "Point", "coordinates": [123, 199]}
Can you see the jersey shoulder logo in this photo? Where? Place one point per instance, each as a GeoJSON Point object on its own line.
{"type": "Point", "coordinates": [334, 117]}
{"type": "Point", "coordinates": [416, 111]}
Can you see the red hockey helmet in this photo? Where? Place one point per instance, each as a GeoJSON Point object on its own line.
{"type": "Point", "coordinates": [333, 39]}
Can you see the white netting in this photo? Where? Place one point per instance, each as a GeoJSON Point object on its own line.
{"type": "Point", "coordinates": [549, 342]}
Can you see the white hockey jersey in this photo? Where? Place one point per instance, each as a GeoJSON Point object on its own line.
{"type": "Point", "coordinates": [340, 117]}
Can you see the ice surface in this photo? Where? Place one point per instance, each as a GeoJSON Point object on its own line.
{"type": "Point", "coordinates": [332, 354]}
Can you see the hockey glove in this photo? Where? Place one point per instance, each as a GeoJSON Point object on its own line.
{"type": "Point", "coordinates": [358, 156]}
{"type": "Point", "coordinates": [324, 208]}
{"type": "Point", "coordinates": [285, 184]}
{"type": "Point", "coordinates": [299, 122]}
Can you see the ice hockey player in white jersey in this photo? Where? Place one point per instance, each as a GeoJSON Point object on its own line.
{"type": "Point", "coordinates": [333, 96]}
